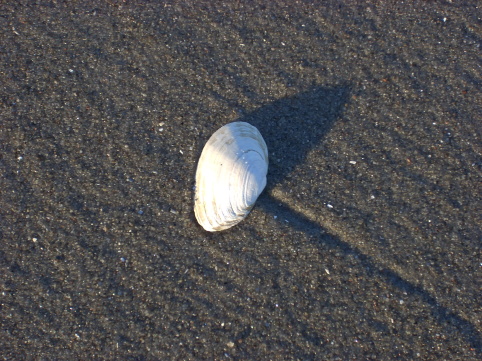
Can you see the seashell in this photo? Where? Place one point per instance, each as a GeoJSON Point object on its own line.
{"type": "Point", "coordinates": [230, 176]}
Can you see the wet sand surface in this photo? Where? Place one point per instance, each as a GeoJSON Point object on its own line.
{"type": "Point", "coordinates": [366, 243]}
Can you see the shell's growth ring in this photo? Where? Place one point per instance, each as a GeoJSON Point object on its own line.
{"type": "Point", "coordinates": [230, 176]}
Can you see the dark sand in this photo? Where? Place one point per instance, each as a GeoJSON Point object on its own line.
{"type": "Point", "coordinates": [366, 243]}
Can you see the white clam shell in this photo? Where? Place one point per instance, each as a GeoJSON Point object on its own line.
{"type": "Point", "coordinates": [230, 176]}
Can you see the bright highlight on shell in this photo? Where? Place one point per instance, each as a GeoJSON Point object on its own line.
{"type": "Point", "coordinates": [230, 176]}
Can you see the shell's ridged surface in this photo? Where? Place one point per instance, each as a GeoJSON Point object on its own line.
{"type": "Point", "coordinates": [230, 176]}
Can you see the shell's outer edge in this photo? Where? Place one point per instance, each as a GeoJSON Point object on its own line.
{"type": "Point", "coordinates": [234, 157]}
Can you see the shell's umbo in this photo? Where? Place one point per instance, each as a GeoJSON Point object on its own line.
{"type": "Point", "coordinates": [230, 176]}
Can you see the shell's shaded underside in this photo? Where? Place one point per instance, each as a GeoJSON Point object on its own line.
{"type": "Point", "coordinates": [230, 176]}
